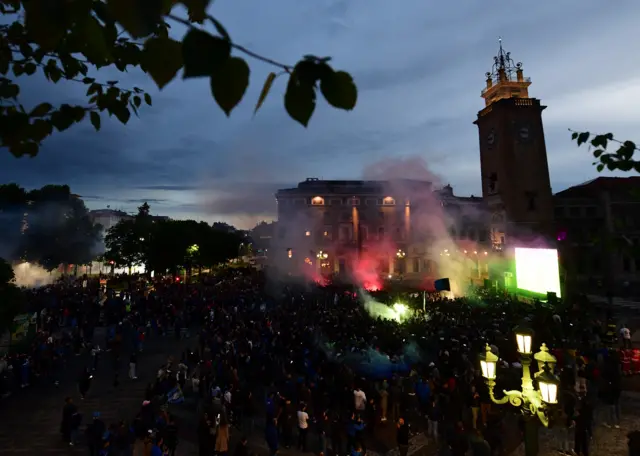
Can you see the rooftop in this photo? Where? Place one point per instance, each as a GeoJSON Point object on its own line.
{"type": "Point", "coordinates": [618, 186]}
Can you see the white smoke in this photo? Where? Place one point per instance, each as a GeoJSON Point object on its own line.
{"type": "Point", "coordinates": [31, 275]}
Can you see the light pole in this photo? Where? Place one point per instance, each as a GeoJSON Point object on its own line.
{"type": "Point", "coordinates": [534, 404]}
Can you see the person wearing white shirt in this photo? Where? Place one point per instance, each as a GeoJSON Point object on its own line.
{"type": "Point", "coordinates": [360, 399]}
{"type": "Point", "coordinates": [626, 336]}
{"type": "Point", "coordinates": [303, 428]}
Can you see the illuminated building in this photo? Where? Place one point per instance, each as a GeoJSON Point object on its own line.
{"type": "Point", "coordinates": [598, 234]}
{"type": "Point", "coordinates": [108, 218]}
{"type": "Point", "coordinates": [513, 157]}
{"type": "Point", "coordinates": [329, 224]}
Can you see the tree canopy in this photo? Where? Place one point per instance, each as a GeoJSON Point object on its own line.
{"type": "Point", "coordinates": [170, 245]}
{"type": "Point", "coordinates": [48, 226]}
{"type": "Point", "coordinates": [67, 40]}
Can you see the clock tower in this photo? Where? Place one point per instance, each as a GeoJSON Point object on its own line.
{"type": "Point", "coordinates": [513, 157]}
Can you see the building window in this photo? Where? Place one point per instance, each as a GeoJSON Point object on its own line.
{"type": "Point", "coordinates": [345, 216]}
{"type": "Point", "coordinates": [317, 201]}
{"type": "Point", "coordinates": [355, 201]}
{"type": "Point", "coordinates": [345, 233]}
{"type": "Point", "coordinates": [364, 232]}
{"type": "Point", "coordinates": [335, 202]}
{"type": "Point", "coordinates": [400, 266]}
{"type": "Point", "coordinates": [327, 234]}
{"type": "Point", "coordinates": [559, 212]}
{"type": "Point", "coordinates": [416, 265]}
{"type": "Point", "coordinates": [591, 211]}
{"type": "Point", "coordinates": [482, 236]}
{"type": "Point", "coordinates": [427, 266]}
{"type": "Point", "coordinates": [575, 211]}
{"type": "Point", "coordinates": [307, 233]}
{"type": "Point", "coordinates": [371, 202]}
{"type": "Point", "coordinates": [388, 201]}
{"type": "Point", "coordinates": [380, 233]}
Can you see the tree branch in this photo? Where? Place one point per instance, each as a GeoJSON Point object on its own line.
{"type": "Point", "coordinates": [244, 50]}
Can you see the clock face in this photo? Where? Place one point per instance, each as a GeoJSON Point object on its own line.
{"type": "Point", "coordinates": [524, 134]}
{"type": "Point", "coordinates": [491, 138]}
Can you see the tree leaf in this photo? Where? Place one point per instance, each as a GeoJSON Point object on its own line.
{"type": "Point", "coordinates": [41, 110]}
{"type": "Point", "coordinates": [265, 91]}
{"type": "Point", "coordinates": [299, 100]}
{"type": "Point", "coordinates": [202, 53]}
{"type": "Point", "coordinates": [96, 48]}
{"type": "Point", "coordinates": [339, 90]}
{"type": "Point", "coordinates": [44, 21]}
{"type": "Point", "coordinates": [122, 113]}
{"type": "Point", "coordinates": [95, 120]}
{"type": "Point", "coordinates": [147, 99]}
{"type": "Point", "coordinates": [583, 137]}
{"type": "Point", "coordinates": [162, 58]}
{"type": "Point", "coordinates": [140, 18]}
{"type": "Point", "coordinates": [229, 83]}
{"type": "Point", "coordinates": [30, 68]}
{"type": "Point", "coordinates": [197, 10]}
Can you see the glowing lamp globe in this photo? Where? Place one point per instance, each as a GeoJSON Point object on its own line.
{"type": "Point", "coordinates": [524, 339]}
{"type": "Point", "coordinates": [548, 387]}
{"type": "Point", "coordinates": [488, 362]}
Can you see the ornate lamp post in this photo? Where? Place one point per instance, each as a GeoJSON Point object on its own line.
{"type": "Point", "coordinates": [534, 404]}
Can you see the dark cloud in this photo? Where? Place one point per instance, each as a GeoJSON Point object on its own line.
{"type": "Point", "coordinates": [169, 187]}
{"type": "Point", "coordinates": [243, 198]}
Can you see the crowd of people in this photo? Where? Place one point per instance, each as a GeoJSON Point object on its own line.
{"type": "Point", "coordinates": [308, 367]}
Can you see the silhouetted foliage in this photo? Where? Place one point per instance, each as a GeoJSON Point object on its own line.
{"type": "Point", "coordinates": [65, 40]}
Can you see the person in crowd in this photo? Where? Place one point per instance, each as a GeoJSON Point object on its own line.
{"type": "Point", "coordinates": [95, 434]}
{"type": "Point", "coordinates": [402, 437]}
{"type": "Point", "coordinates": [133, 362]}
{"type": "Point", "coordinates": [303, 427]}
{"type": "Point", "coordinates": [84, 382]}
{"type": "Point", "coordinates": [582, 422]}
{"type": "Point", "coordinates": [222, 437]}
{"type": "Point", "coordinates": [271, 435]}
{"type": "Point", "coordinates": [70, 421]}
{"type": "Point", "coordinates": [170, 436]}
{"type": "Point", "coordinates": [625, 334]}
{"type": "Point", "coordinates": [434, 416]}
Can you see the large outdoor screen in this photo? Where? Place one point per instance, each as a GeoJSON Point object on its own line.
{"type": "Point", "coordinates": [537, 270]}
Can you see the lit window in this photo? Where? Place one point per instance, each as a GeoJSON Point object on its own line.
{"type": "Point", "coordinates": [307, 233]}
{"type": "Point", "coordinates": [388, 201]}
{"type": "Point", "coordinates": [317, 201]}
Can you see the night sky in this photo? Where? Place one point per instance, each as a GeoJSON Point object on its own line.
{"type": "Point", "coordinates": [419, 67]}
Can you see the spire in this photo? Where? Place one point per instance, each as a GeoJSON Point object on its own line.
{"type": "Point", "coordinates": [506, 78]}
{"type": "Point", "coordinates": [504, 68]}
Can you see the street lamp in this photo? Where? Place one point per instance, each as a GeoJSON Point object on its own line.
{"type": "Point", "coordinates": [400, 253]}
{"type": "Point", "coordinates": [531, 401]}
{"type": "Point", "coordinates": [321, 255]}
